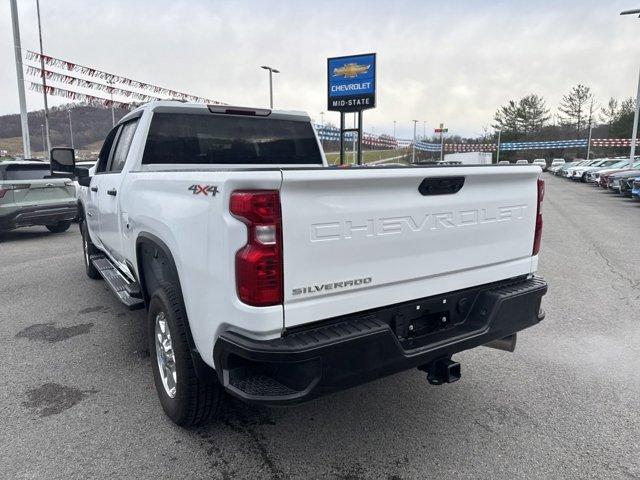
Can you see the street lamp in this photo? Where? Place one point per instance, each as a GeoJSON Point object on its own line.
{"type": "Point", "coordinates": [413, 152]}
{"type": "Point", "coordinates": [113, 115]}
{"type": "Point", "coordinates": [394, 129]}
{"type": "Point", "coordinates": [271, 72]}
{"type": "Point", "coordinates": [70, 127]}
{"type": "Point", "coordinates": [44, 146]}
{"type": "Point", "coordinates": [499, 131]}
{"type": "Point", "coordinates": [634, 133]}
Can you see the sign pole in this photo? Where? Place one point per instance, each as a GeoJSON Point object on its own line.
{"type": "Point", "coordinates": [360, 137]}
{"type": "Point", "coordinates": [341, 138]}
{"type": "Point", "coordinates": [441, 146]}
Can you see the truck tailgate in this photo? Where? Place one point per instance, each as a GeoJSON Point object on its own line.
{"type": "Point", "coordinates": [363, 238]}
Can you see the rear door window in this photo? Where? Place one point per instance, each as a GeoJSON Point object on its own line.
{"type": "Point", "coordinates": [27, 172]}
{"type": "Point", "coordinates": [198, 139]}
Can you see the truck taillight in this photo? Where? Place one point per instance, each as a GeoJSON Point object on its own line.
{"type": "Point", "coordinates": [537, 237]}
{"type": "Point", "coordinates": [259, 262]}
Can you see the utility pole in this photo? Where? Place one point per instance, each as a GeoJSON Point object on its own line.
{"type": "Point", "coordinates": [70, 127]}
{"type": "Point", "coordinates": [44, 84]}
{"type": "Point", "coordinates": [413, 152]}
{"type": "Point", "coordinates": [634, 133]}
{"type": "Point", "coordinates": [323, 130]}
{"type": "Point", "coordinates": [589, 141]}
{"type": "Point", "coordinates": [113, 115]}
{"type": "Point", "coordinates": [24, 120]}
{"type": "Point", "coordinates": [498, 154]}
{"type": "Point", "coordinates": [271, 72]}
{"type": "Point", "coordinates": [44, 147]}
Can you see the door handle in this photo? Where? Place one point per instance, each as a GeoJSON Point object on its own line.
{"type": "Point", "coordinates": [94, 189]}
{"type": "Point", "coordinates": [113, 192]}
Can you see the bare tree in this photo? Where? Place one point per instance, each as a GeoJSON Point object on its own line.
{"type": "Point", "coordinates": [576, 107]}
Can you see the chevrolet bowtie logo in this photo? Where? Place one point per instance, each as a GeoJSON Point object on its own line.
{"type": "Point", "coordinates": [350, 70]}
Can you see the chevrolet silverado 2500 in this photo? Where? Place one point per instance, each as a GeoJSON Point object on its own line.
{"type": "Point", "coordinates": [267, 274]}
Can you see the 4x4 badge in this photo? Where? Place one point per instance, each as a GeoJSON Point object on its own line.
{"type": "Point", "coordinates": [204, 189]}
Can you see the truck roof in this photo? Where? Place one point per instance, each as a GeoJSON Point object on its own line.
{"type": "Point", "coordinates": [166, 106]}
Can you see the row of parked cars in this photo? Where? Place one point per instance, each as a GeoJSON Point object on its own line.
{"type": "Point", "coordinates": [612, 173]}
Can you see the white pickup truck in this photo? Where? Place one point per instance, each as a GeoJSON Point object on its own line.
{"type": "Point", "coordinates": [267, 274]}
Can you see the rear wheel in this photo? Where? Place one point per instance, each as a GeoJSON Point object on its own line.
{"type": "Point", "coordinates": [88, 249]}
{"type": "Point", "coordinates": [185, 398]}
{"type": "Point", "coordinates": [59, 227]}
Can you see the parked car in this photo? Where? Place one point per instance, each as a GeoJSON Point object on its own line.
{"type": "Point", "coordinates": [522, 161]}
{"type": "Point", "coordinates": [28, 196]}
{"type": "Point", "coordinates": [603, 175]}
{"type": "Point", "coordinates": [504, 162]}
{"type": "Point", "coordinates": [542, 163]}
{"type": "Point", "coordinates": [579, 172]}
{"type": "Point", "coordinates": [587, 173]}
{"type": "Point", "coordinates": [568, 171]}
{"type": "Point", "coordinates": [626, 186]}
{"type": "Point", "coordinates": [556, 163]}
{"type": "Point", "coordinates": [635, 192]}
{"type": "Point", "coordinates": [614, 180]}
{"type": "Point", "coordinates": [560, 170]}
{"type": "Point", "coordinates": [266, 273]}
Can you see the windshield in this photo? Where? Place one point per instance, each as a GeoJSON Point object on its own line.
{"type": "Point", "coordinates": [229, 139]}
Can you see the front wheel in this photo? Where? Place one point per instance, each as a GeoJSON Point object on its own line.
{"type": "Point", "coordinates": [185, 398]}
{"type": "Point", "coordinates": [59, 227]}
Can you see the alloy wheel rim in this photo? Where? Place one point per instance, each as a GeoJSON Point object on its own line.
{"type": "Point", "coordinates": [165, 355]}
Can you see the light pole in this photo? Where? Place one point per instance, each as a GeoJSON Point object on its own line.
{"type": "Point", "coordinates": [498, 153]}
{"type": "Point", "coordinates": [634, 133]}
{"type": "Point", "coordinates": [589, 141]}
{"type": "Point", "coordinates": [44, 147]}
{"type": "Point", "coordinates": [26, 145]}
{"type": "Point", "coordinates": [424, 129]}
{"type": "Point", "coordinates": [271, 72]}
{"type": "Point", "coordinates": [113, 115]}
{"type": "Point", "coordinates": [413, 152]}
{"type": "Point", "coordinates": [44, 83]}
{"type": "Point", "coordinates": [70, 128]}
{"type": "Point", "coordinates": [323, 130]}
{"type": "Point", "coordinates": [394, 129]}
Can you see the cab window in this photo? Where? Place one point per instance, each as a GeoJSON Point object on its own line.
{"type": "Point", "coordinates": [125, 137]}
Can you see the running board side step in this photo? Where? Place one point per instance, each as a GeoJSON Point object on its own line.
{"type": "Point", "coordinates": [128, 293]}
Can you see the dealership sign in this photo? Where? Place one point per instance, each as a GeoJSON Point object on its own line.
{"type": "Point", "coordinates": [352, 82]}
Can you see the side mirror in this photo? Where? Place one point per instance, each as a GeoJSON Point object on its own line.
{"type": "Point", "coordinates": [63, 162]}
{"type": "Point", "coordinates": [82, 174]}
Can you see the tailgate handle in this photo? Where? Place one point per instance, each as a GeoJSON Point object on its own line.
{"type": "Point", "coordinates": [441, 185]}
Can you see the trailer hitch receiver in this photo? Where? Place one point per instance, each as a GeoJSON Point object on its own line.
{"type": "Point", "coordinates": [442, 370]}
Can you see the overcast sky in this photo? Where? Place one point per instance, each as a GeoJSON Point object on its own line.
{"type": "Point", "coordinates": [437, 62]}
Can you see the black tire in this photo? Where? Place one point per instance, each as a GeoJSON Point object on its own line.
{"type": "Point", "coordinates": [88, 249]}
{"type": "Point", "coordinates": [59, 227]}
{"type": "Point", "coordinates": [194, 401]}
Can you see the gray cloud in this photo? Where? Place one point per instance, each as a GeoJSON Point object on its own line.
{"type": "Point", "coordinates": [436, 61]}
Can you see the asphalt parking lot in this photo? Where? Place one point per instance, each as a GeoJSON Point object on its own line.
{"type": "Point", "coordinates": [77, 398]}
